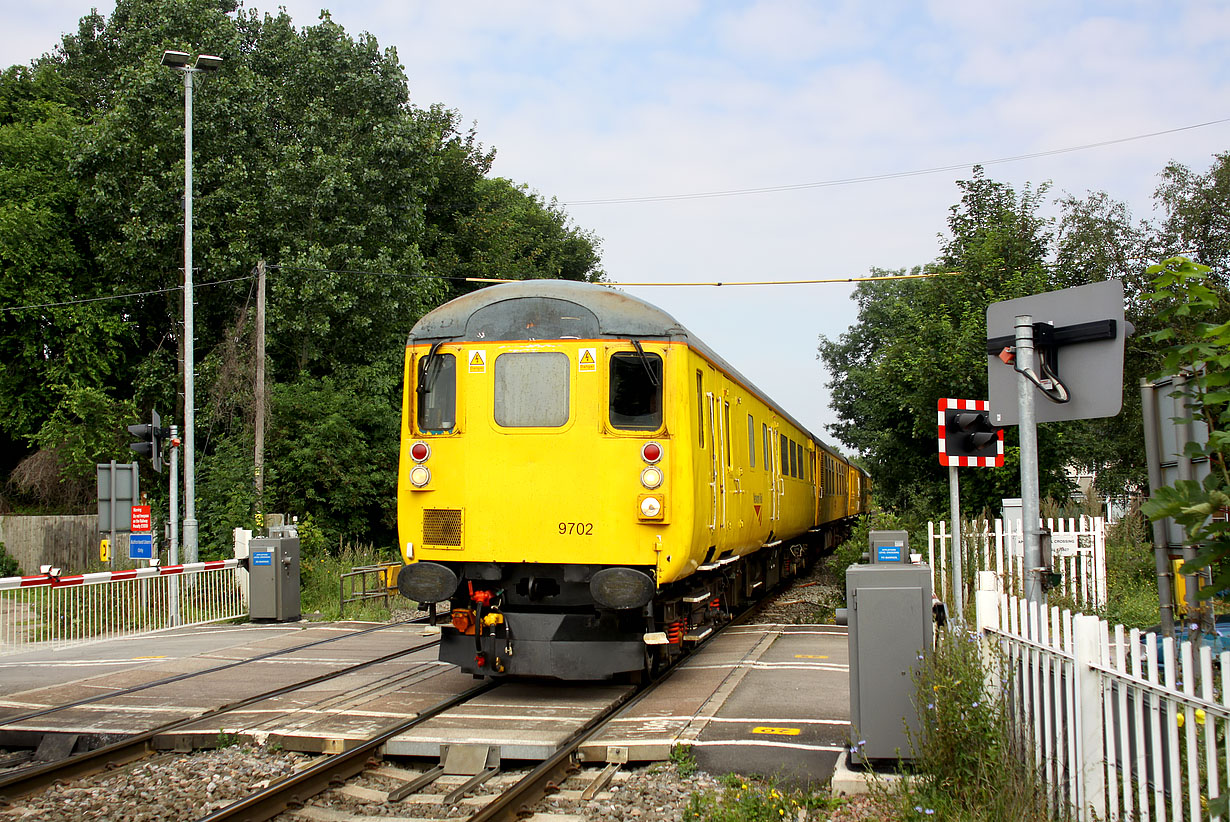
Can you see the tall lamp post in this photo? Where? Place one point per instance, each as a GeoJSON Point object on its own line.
{"type": "Point", "coordinates": [204, 62]}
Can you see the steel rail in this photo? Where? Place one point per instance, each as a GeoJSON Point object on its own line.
{"type": "Point", "coordinates": [514, 803]}
{"type": "Point", "coordinates": [29, 780]}
{"type": "Point", "coordinates": [294, 790]}
{"type": "Point", "coordinates": [10, 720]}
{"type": "Point", "coordinates": [510, 805]}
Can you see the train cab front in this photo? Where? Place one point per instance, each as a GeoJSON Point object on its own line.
{"type": "Point", "coordinates": [556, 621]}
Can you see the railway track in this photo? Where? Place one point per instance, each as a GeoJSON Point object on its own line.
{"type": "Point", "coordinates": [138, 746]}
{"type": "Point", "coordinates": [507, 798]}
{"type": "Point", "coordinates": [355, 783]}
{"type": "Point", "coordinates": [169, 680]}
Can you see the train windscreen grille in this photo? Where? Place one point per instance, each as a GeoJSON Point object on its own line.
{"type": "Point", "coordinates": [442, 526]}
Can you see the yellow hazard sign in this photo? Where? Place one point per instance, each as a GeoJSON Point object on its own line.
{"type": "Point", "coordinates": [478, 362]}
{"type": "Point", "coordinates": [776, 731]}
{"type": "Point", "coordinates": [104, 551]}
{"type": "Point", "coordinates": [588, 360]}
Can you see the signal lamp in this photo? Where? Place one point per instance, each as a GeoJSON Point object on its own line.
{"type": "Point", "coordinates": [651, 507]}
{"type": "Point", "coordinates": [420, 451]}
{"type": "Point", "coordinates": [419, 476]}
{"type": "Point", "coordinates": [651, 452]}
{"type": "Point", "coordinates": [651, 477]}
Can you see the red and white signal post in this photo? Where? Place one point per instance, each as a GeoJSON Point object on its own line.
{"type": "Point", "coordinates": [967, 440]}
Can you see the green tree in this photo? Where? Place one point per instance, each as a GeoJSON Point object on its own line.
{"type": "Point", "coordinates": [308, 154]}
{"type": "Point", "coordinates": [917, 341]}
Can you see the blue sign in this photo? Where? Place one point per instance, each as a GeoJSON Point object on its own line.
{"type": "Point", "coordinates": [141, 546]}
{"type": "Point", "coordinates": [888, 553]}
{"type": "Point", "coordinates": [262, 557]}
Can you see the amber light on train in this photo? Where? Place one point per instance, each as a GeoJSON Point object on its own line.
{"type": "Point", "coordinates": [419, 476]}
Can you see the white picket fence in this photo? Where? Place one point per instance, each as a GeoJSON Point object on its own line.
{"type": "Point", "coordinates": [1078, 550]}
{"type": "Point", "coordinates": [52, 610]}
{"type": "Point", "coordinates": [1123, 725]}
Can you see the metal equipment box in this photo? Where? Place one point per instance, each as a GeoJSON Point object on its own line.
{"type": "Point", "coordinates": [889, 546]}
{"type": "Point", "coordinates": [889, 614]}
{"type": "Point", "coordinates": [273, 578]}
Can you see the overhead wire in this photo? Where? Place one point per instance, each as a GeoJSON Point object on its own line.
{"type": "Point", "coordinates": [894, 175]}
{"type": "Point", "coordinates": [150, 293]}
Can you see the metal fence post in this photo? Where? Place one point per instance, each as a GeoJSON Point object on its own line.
{"type": "Point", "coordinates": [1089, 719]}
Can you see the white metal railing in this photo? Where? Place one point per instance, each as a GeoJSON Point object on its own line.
{"type": "Point", "coordinates": [53, 610]}
{"type": "Point", "coordinates": [1078, 552]}
{"type": "Point", "coordinates": [1123, 725]}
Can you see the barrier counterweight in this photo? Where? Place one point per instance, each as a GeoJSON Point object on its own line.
{"type": "Point", "coordinates": [51, 610]}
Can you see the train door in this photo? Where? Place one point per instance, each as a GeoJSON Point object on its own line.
{"type": "Point", "coordinates": [710, 424]}
{"type": "Point", "coordinates": [717, 456]}
{"type": "Point", "coordinates": [814, 479]}
{"type": "Point", "coordinates": [777, 484]}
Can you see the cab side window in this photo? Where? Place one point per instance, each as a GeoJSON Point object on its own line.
{"type": "Point", "coordinates": [437, 393]}
{"type": "Point", "coordinates": [636, 391]}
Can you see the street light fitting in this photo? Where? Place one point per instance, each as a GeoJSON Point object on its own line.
{"type": "Point", "coordinates": [207, 62]}
{"type": "Point", "coordinates": [175, 59]}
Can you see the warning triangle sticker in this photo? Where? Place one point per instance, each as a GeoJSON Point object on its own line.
{"type": "Point", "coordinates": [587, 357]}
{"type": "Point", "coordinates": [478, 362]}
{"type": "Point", "coordinates": [757, 509]}
{"type": "Point", "coordinates": [587, 361]}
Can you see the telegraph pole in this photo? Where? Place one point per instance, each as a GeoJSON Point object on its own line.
{"type": "Point", "coordinates": [260, 392]}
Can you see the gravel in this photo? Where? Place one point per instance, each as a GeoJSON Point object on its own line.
{"type": "Point", "coordinates": [171, 787]}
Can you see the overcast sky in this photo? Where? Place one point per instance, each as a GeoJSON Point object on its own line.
{"type": "Point", "coordinates": [624, 99]}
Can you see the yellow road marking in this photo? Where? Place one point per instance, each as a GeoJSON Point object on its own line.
{"type": "Point", "coordinates": [809, 656]}
{"type": "Point", "coordinates": [778, 731]}
{"type": "Point", "coordinates": [149, 657]}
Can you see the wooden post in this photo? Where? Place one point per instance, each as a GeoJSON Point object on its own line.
{"type": "Point", "coordinates": [260, 392]}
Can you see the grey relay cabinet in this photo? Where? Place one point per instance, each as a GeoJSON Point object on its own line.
{"type": "Point", "coordinates": [273, 567]}
{"type": "Point", "coordinates": [889, 616]}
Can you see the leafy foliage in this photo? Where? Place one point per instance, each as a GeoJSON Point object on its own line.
{"type": "Point", "coordinates": [1201, 350]}
{"type": "Point", "coordinates": [748, 799]}
{"type": "Point", "coordinates": [308, 154]}
{"type": "Point", "coordinates": [967, 764]}
{"type": "Point", "coordinates": [916, 341]}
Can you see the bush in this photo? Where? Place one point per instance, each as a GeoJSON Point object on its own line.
{"type": "Point", "coordinates": [967, 763]}
{"type": "Point", "coordinates": [320, 574]}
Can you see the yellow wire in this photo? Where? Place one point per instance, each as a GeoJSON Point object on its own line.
{"type": "Point", "coordinates": [754, 282]}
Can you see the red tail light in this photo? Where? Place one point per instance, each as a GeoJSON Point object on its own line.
{"type": "Point", "coordinates": [651, 452]}
{"type": "Point", "coordinates": [420, 451]}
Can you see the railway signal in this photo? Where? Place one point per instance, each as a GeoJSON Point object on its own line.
{"type": "Point", "coordinates": [967, 440]}
{"type": "Point", "coordinates": [150, 442]}
{"type": "Point", "coordinates": [967, 437]}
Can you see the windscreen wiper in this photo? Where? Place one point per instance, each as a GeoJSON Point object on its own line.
{"type": "Point", "coordinates": [428, 377]}
{"type": "Point", "coordinates": [640, 352]}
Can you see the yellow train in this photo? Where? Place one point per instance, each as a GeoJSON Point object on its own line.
{"type": "Point", "coordinates": [591, 487]}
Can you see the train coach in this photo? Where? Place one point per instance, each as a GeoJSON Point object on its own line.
{"type": "Point", "coordinates": [591, 488]}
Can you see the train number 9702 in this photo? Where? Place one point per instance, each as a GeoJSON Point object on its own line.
{"type": "Point", "coordinates": [578, 529]}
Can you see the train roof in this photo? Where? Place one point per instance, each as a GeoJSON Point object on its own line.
{"type": "Point", "coordinates": [605, 313]}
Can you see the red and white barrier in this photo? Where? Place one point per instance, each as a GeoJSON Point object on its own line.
{"type": "Point", "coordinates": [54, 580]}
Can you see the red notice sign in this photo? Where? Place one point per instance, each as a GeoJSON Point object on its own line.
{"type": "Point", "coordinates": [140, 518]}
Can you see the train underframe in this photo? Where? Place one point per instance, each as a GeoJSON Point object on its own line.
{"type": "Point", "coordinates": [555, 621]}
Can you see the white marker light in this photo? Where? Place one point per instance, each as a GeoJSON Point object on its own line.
{"type": "Point", "coordinates": [419, 476]}
{"type": "Point", "coordinates": [651, 506]}
{"type": "Point", "coordinates": [651, 477]}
